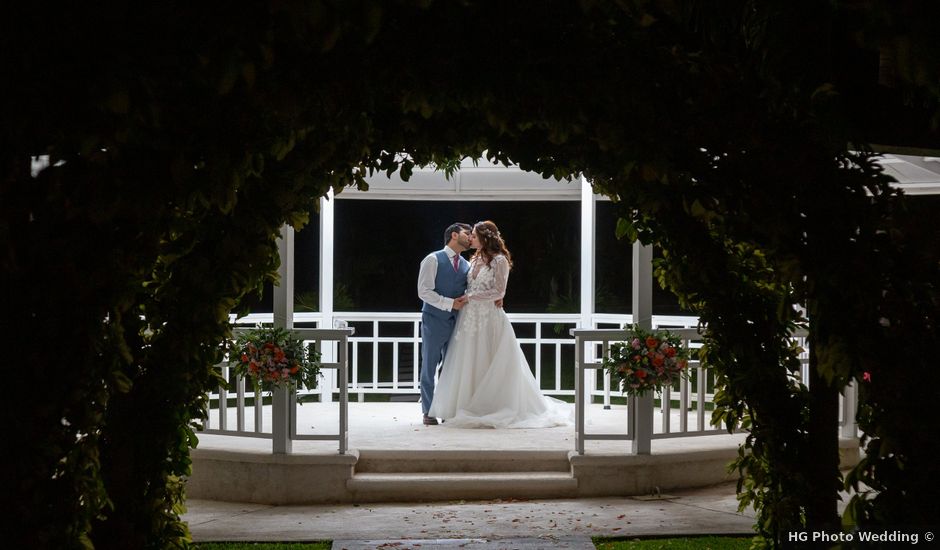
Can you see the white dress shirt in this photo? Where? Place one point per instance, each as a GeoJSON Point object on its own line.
{"type": "Point", "coordinates": [427, 276]}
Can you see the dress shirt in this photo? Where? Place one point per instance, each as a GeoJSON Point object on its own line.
{"type": "Point", "coordinates": [427, 276]}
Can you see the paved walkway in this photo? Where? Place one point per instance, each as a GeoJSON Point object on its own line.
{"type": "Point", "coordinates": [496, 524]}
{"type": "Point", "coordinates": [483, 525]}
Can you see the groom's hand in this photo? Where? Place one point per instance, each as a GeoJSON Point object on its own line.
{"type": "Point", "coordinates": [460, 301]}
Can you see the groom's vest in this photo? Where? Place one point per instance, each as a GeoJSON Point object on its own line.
{"type": "Point", "coordinates": [447, 282]}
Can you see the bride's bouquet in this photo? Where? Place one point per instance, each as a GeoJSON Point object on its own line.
{"type": "Point", "coordinates": [272, 357]}
{"type": "Point", "coordinates": [647, 360]}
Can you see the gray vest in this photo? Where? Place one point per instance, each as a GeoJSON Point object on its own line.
{"type": "Point", "coordinates": [448, 282]}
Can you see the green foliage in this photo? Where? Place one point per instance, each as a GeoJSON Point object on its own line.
{"type": "Point", "coordinates": [674, 543]}
{"type": "Point", "coordinates": [747, 345]}
{"type": "Point", "coordinates": [307, 301]}
{"type": "Point", "coordinates": [310, 300]}
{"type": "Point", "coordinates": [182, 137]}
{"type": "Point", "coordinates": [749, 232]}
{"type": "Point", "coordinates": [895, 482]}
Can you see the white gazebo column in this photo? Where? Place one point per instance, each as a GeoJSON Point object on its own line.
{"type": "Point", "coordinates": [283, 318]}
{"type": "Point", "coordinates": [587, 280]}
{"type": "Point", "coordinates": [643, 285]}
{"type": "Point", "coordinates": [642, 407]}
{"type": "Point", "coordinates": [849, 411]}
{"type": "Point", "coordinates": [284, 291]}
{"type": "Point", "coordinates": [327, 208]}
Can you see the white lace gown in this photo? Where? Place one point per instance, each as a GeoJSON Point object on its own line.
{"type": "Point", "coordinates": [485, 380]}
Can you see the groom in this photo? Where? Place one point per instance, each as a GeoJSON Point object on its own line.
{"type": "Point", "coordinates": [442, 282]}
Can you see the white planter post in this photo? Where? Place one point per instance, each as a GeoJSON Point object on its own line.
{"type": "Point", "coordinates": [849, 410]}
{"type": "Point", "coordinates": [327, 206]}
{"type": "Point", "coordinates": [641, 408]}
{"type": "Point", "coordinates": [587, 282]}
{"type": "Point", "coordinates": [283, 318]}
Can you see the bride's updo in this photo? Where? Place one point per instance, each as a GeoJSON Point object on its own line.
{"type": "Point", "coordinates": [491, 243]}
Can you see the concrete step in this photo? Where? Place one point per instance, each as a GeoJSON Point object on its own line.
{"type": "Point", "coordinates": [470, 461]}
{"type": "Point", "coordinates": [417, 487]}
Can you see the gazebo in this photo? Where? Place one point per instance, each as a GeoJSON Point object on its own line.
{"type": "Point", "coordinates": [568, 462]}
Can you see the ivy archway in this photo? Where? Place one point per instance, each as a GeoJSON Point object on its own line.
{"type": "Point", "coordinates": [183, 137]}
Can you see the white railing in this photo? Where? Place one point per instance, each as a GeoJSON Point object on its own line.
{"type": "Point", "coordinates": [278, 421]}
{"type": "Point", "coordinates": [616, 321]}
{"type": "Point", "coordinates": [399, 359]}
{"type": "Point", "coordinates": [380, 355]}
{"type": "Point", "coordinates": [384, 353]}
{"type": "Point", "coordinates": [693, 394]}
{"type": "Point", "coordinates": [594, 344]}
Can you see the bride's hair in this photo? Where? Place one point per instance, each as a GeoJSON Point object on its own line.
{"type": "Point", "coordinates": [491, 243]}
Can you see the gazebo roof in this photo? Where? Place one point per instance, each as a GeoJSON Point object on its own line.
{"type": "Point", "coordinates": [916, 175]}
{"type": "Point", "coordinates": [483, 180]}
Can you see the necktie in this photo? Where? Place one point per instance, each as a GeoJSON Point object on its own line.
{"type": "Point", "coordinates": [456, 259]}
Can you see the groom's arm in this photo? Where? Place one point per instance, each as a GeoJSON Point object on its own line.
{"type": "Point", "coordinates": [426, 279]}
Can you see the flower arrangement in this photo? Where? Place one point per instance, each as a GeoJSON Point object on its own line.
{"type": "Point", "coordinates": [647, 360]}
{"type": "Point", "coordinates": [272, 357]}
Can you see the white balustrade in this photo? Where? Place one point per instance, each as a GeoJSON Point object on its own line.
{"type": "Point", "coordinates": [217, 421]}
{"type": "Point", "coordinates": [382, 357]}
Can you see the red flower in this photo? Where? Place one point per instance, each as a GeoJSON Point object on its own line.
{"type": "Point", "coordinates": [641, 374]}
{"type": "Point", "coordinates": [658, 360]}
{"type": "Point", "coordinates": [651, 342]}
{"type": "Point", "coordinates": [866, 376]}
{"type": "Point", "coordinates": [670, 351]}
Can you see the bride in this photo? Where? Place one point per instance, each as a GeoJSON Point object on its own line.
{"type": "Point", "coordinates": [485, 379]}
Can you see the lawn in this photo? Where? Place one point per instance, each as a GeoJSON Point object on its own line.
{"type": "Point", "coordinates": [678, 543]}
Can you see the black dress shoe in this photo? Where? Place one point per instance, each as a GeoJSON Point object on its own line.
{"type": "Point", "coordinates": [430, 421]}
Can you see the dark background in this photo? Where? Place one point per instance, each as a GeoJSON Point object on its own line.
{"type": "Point", "coordinates": [380, 243]}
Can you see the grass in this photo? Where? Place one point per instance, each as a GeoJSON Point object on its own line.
{"type": "Point", "coordinates": [679, 543]}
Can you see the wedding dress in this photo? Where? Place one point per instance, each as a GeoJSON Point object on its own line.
{"type": "Point", "coordinates": [485, 380]}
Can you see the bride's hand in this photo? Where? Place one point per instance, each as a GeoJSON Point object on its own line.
{"type": "Point", "coordinates": [499, 303]}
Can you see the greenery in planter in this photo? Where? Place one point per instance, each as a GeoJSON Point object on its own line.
{"type": "Point", "coordinates": [271, 357]}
